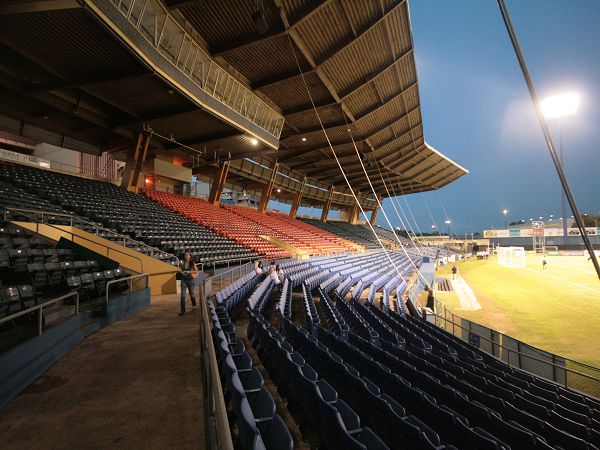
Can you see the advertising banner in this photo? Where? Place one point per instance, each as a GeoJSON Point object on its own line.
{"type": "Point", "coordinates": [21, 158]}
{"type": "Point", "coordinates": [529, 232]}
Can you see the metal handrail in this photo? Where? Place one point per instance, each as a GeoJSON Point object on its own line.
{"type": "Point", "coordinates": [229, 273]}
{"type": "Point", "coordinates": [98, 229]}
{"type": "Point", "coordinates": [40, 307]}
{"type": "Point", "coordinates": [218, 433]}
{"type": "Point", "coordinates": [129, 282]}
{"type": "Point", "coordinates": [73, 235]}
{"type": "Point", "coordinates": [184, 51]}
{"type": "Point", "coordinates": [587, 366]}
{"type": "Point", "coordinates": [521, 354]}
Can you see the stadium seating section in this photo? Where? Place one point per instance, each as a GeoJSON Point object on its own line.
{"type": "Point", "coordinates": [34, 270]}
{"type": "Point", "coordinates": [246, 225]}
{"type": "Point", "coordinates": [355, 371]}
{"type": "Point", "coordinates": [118, 210]}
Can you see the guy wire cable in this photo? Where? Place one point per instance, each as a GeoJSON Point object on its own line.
{"type": "Point", "coordinates": [410, 211]}
{"type": "Point", "coordinates": [336, 158]}
{"type": "Point", "coordinates": [430, 215]}
{"type": "Point", "coordinates": [403, 213]}
{"type": "Point", "coordinates": [394, 206]}
{"type": "Point", "coordinates": [382, 208]}
{"type": "Point", "coordinates": [451, 225]}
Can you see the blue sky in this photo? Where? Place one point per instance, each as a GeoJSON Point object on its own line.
{"type": "Point", "coordinates": [477, 111]}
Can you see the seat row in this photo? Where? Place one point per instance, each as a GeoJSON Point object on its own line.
{"type": "Point", "coordinates": [252, 408]}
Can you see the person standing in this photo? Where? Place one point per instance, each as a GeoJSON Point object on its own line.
{"type": "Point", "coordinates": [454, 272]}
{"type": "Point", "coordinates": [188, 271]}
{"type": "Point", "coordinates": [544, 262]}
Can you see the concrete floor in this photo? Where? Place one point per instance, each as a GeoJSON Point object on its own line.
{"type": "Point", "coordinates": [134, 384]}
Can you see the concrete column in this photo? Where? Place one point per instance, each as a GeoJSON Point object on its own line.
{"type": "Point", "coordinates": [268, 189]}
{"type": "Point", "coordinates": [327, 205]}
{"type": "Point", "coordinates": [354, 213]}
{"type": "Point", "coordinates": [216, 188]}
{"type": "Point", "coordinates": [297, 200]}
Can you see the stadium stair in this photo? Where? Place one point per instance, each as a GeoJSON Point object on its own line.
{"type": "Point", "coordinates": [162, 275]}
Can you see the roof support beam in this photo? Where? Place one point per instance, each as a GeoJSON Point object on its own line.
{"type": "Point", "coordinates": [374, 76]}
{"type": "Point", "coordinates": [38, 6]}
{"type": "Point", "coordinates": [308, 107]}
{"type": "Point", "coordinates": [247, 42]}
{"type": "Point", "coordinates": [278, 78]}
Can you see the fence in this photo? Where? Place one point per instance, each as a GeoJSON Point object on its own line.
{"type": "Point", "coordinates": [564, 371]}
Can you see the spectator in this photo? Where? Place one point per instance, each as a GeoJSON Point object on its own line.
{"type": "Point", "coordinates": [188, 271]}
{"type": "Point", "coordinates": [279, 271]}
{"type": "Point", "coordinates": [258, 268]}
{"type": "Point", "coordinates": [274, 277]}
{"type": "Point", "coordinates": [454, 272]}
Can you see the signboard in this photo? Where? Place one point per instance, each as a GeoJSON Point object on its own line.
{"type": "Point", "coordinates": [529, 232]}
{"type": "Point", "coordinates": [21, 158]}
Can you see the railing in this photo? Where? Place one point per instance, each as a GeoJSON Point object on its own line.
{"type": "Point", "coordinates": [40, 307]}
{"type": "Point", "coordinates": [160, 28]}
{"type": "Point", "coordinates": [129, 282]}
{"type": "Point", "coordinates": [564, 371]}
{"type": "Point", "coordinates": [153, 252]}
{"type": "Point", "coordinates": [232, 275]}
{"type": "Point", "coordinates": [218, 433]}
{"type": "Point", "coordinates": [73, 235]}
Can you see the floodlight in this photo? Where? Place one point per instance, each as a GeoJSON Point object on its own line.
{"type": "Point", "coordinates": [560, 105]}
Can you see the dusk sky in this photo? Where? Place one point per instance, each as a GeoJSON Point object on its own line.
{"type": "Point", "coordinates": [477, 111]}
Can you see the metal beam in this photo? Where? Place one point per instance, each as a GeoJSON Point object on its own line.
{"type": "Point", "coordinates": [278, 78]}
{"type": "Point", "coordinates": [247, 41]}
{"type": "Point", "coordinates": [39, 6]}
{"type": "Point", "coordinates": [373, 77]}
{"type": "Point", "coordinates": [309, 107]}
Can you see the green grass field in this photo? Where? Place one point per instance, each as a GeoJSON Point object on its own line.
{"type": "Point", "coordinates": [557, 310]}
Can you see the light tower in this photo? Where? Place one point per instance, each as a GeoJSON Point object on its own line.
{"type": "Point", "coordinates": [557, 107]}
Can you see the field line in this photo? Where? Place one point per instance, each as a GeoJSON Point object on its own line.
{"type": "Point", "coordinates": [597, 291]}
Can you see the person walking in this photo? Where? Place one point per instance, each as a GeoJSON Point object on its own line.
{"type": "Point", "coordinates": [544, 262]}
{"type": "Point", "coordinates": [188, 271]}
{"type": "Point", "coordinates": [454, 272]}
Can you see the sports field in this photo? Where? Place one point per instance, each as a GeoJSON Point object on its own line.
{"type": "Point", "coordinates": [557, 310]}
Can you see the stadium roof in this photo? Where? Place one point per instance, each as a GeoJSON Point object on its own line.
{"type": "Point", "coordinates": [95, 83]}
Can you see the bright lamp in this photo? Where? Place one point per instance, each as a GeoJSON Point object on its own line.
{"type": "Point", "coordinates": [560, 105]}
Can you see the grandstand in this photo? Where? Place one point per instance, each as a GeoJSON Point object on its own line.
{"type": "Point", "coordinates": [112, 113]}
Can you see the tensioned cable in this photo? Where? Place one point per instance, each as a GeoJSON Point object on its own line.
{"type": "Point", "coordinates": [451, 225]}
{"type": "Point", "coordinates": [402, 210]}
{"type": "Point", "coordinates": [430, 215]}
{"type": "Point", "coordinates": [381, 206]}
{"type": "Point", "coordinates": [409, 210]}
{"type": "Point", "coordinates": [394, 206]}
{"type": "Point", "coordinates": [337, 160]}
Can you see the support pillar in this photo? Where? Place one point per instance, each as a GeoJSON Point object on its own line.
{"type": "Point", "coordinates": [354, 213]}
{"type": "Point", "coordinates": [327, 205]}
{"type": "Point", "coordinates": [374, 214]}
{"type": "Point", "coordinates": [134, 163]}
{"type": "Point", "coordinates": [135, 182]}
{"type": "Point", "coordinates": [216, 188]}
{"type": "Point", "coordinates": [268, 190]}
{"type": "Point", "coordinates": [132, 157]}
{"type": "Point", "coordinates": [297, 200]}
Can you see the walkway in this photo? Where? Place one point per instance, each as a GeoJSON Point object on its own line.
{"type": "Point", "coordinates": [134, 384]}
{"type": "Point", "coordinates": [466, 296]}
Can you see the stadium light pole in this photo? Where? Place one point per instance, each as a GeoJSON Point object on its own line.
{"type": "Point", "coordinates": [557, 107]}
{"type": "Point", "coordinates": [448, 222]}
{"type": "Point", "coordinates": [512, 34]}
{"type": "Point", "coordinates": [505, 212]}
